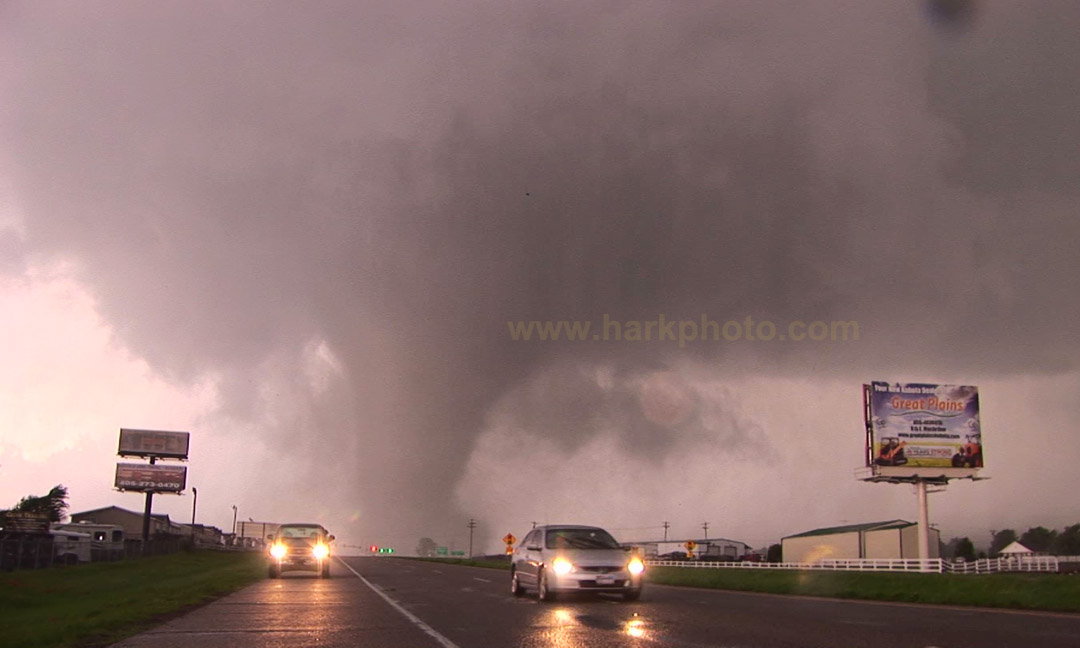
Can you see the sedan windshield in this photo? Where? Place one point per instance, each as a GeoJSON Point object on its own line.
{"type": "Point", "coordinates": [580, 539]}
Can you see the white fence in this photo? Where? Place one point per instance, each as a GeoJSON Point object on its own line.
{"type": "Point", "coordinates": [990, 566]}
{"type": "Point", "coordinates": [930, 565]}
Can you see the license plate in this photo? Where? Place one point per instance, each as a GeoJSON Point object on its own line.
{"type": "Point", "coordinates": [605, 580]}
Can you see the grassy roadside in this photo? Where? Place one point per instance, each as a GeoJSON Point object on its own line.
{"type": "Point", "coordinates": [97, 604]}
{"type": "Point", "coordinates": [1056, 592]}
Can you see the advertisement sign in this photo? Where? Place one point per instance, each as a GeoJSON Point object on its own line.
{"type": "Point", "coordinates": [922, 429]}
{"type": "Point", "coordinates": [153, 443]}
{"type": "Point", "coordinates": [24, 522]}
{"type": "Point", "coordinates": [151, 477]}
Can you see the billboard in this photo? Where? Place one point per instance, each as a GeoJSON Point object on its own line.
{"type": "Point", "coordinates": [151, 477]}
{"type": "Point", "coordinates": [153, 443]}
{"type": "Point", "coordinates": [923, 430]}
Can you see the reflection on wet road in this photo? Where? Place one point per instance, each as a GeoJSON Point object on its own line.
{"type": "Point", "coordinates": [297, 610]}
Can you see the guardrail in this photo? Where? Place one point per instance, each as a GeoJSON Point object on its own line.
{"type": "Point", "coordinates": [912, 565]}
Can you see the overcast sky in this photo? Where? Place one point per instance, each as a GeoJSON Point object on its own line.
{"type": "Point", "coordinates": [299, 232]}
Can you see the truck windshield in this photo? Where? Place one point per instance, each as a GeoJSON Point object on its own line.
{"type": "Point", "coordinates": [300, 532]}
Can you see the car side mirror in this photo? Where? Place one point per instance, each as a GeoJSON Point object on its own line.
{"type": "Point", "coordinates": [330, 538]}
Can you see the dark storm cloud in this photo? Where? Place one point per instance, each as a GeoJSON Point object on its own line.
{"type": "Point", "coordinates": [238, 181]}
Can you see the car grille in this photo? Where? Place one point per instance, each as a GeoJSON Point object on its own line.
{"type": "Point", "coordinates": [297, 549]}
{"type": "Point", "coordinates": [588, 584]}
{"type": "Point", "coordinates": [600, 570]}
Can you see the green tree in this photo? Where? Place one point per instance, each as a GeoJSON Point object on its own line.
{"type": "Point", "coordinates": [1000, 540]}
{"type": "Point", "coordinates": [426, 547]}
{"type": "Point", "coordinates": [776, 553]}
{"type": "Point", "coordinates": [53, 504]}
{"type": "Point", "coordinates": [1038, 539]}
{"type": "Point", "coordinates": [1067, 543]}
{"type": "Point", "coordinates": [965, 549]}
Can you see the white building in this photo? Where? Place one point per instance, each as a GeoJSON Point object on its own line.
{"type": "Point", "coordinates": [889, 539]}
{"type": "Point", "coordinates": [716, 548]}
{"type": "Point", "coordinates": [1015, 549]}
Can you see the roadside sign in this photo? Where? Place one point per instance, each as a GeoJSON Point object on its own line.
{"type": "Point", "coordinates": [509, 539]}
{"type": "Point", "coordinates": [24, 522]}
{"type": "Point", "coordinates": [441, 551]}
{"type": "Point", "coordinates": [457, 553]}
{"type": "Point", "coordinates": [690, 546]}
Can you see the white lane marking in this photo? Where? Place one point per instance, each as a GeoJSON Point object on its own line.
{"type": "Point", "coordinates": [428, 630]}
{"type": "Point", "coordinates": [483, 580]}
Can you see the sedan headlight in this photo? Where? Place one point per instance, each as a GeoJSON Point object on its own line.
{"type": "Point", "coordinates": [320, 551]}
{"type": "Point", "coordinates": [635, 566]}
{"type": "Point", "coordinates": [562, 566]}
{"type": "Point", "coordinates": [278, 551]}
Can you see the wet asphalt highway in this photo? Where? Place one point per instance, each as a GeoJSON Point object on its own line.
{"type": "Point", "coordinates": [387, 602]}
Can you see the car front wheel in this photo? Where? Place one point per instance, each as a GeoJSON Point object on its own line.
{"type": "Point", "coordinates": [515, 585]}
{"type": "Point", "coordinates": [544, 592]}
{"type": "Point", "coordinates": [632, 594]}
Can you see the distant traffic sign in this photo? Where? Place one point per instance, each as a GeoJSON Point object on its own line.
{"type": "Point", "coordinates": [457, 553]}
{"type": "Point", "coordinates": [509, 539]}
{"type": "Point", "coordinates": [441, 551]}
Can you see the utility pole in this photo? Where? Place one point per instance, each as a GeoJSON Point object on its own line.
{"type": "Point", "coordinates": [705, 526]}
{"type": "Point", "coordinates": [471, 525]}
{"type": "Point", "coordinates": [666, 526]}
{"type": "Point", "coordinates": [195, 493]}
{"type": "Point", "coordinates": [234, 523]}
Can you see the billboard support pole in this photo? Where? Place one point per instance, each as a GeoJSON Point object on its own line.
{"type": "Point", "coordinates": [924, 523]}
{"type": "Point", "coordinates": [146, 513]}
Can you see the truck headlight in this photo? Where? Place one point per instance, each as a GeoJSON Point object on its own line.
{"type": "Point", "coordinates": [635, 566]}
{"type": "Point", "coordinates": [320, 551]}
{"type": "Point", "coordinates": [562, 566]}
{"type": "Point", "coordinates": [278, 551]}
